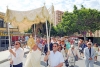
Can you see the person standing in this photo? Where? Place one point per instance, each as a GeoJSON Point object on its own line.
{"type": "Point", "coordinates": [68, 45]}
{"type": "Point", "coordinates": [72, 52]}
{"type": "Point", "coordinates": [63, 47]}
{"type": "Point", "coordinates": [55, 57]}
{"type": "Point", "coordinates": [26, 39]}
{"type": "Point", "coordinates": [16, 55]}
{"type": "Point", "coordinates": [96, 48]}
{"type": "Point", "coordinates": [34, 57]}
{"type": "Point", "coordinates": [39, 44]}
{"type": "Point", "coordinates": [89, 54]}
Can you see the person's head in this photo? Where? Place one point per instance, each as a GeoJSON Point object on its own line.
{"type": "Point", "coordinates": [89, 40]}
{"type": "Point", "coordinates": [81, 41]}
{"type": "Point", "coordinates": [38, 40]}
{"type": "Point", "coordinates": [68, 40]}
{"type": "Point", "coordinates": [17, 44]}
{"type": "Point", "coordinates": [72, 46]}
{"type": "Point", "coordinates": [35, 47]}
{"type": "Point", "coordinates": [62, 42]}
{"type": "Point", "coordinates": [59, 48]}
{"type": "Point", "coordinates": [89, 44]}
{"type": "Point", "coordinates": [55, 47]}
{"type": "Point", "coordinates": [86, 42]}
{"type": "Point", "coordinates": [59, 42]}
{"type": "Point", "coordinates": [95, 45]}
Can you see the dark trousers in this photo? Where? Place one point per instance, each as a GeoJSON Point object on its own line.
{"type": "Point", "coordinates": [19, 65]}
{"type": "Point", "coordinates": [10, 65]}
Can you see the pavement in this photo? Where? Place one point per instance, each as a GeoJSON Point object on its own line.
{"type": "Point", "coordinates": [79, 63]}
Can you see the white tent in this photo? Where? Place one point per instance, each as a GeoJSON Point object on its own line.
{"type": "Point", "coordinates": [24, 19]}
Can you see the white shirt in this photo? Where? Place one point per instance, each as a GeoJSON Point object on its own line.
{"type": "Point", "coordinates": [19, 56]}
{"type": "Point", "coordinates": [26, 38]}
{"type": "Point", "coordinates": [55, 58]}
{"type": "Point", "coordinates": [40, 46]}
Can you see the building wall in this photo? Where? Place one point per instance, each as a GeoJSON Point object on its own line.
{"type": "Point", "coordinates": [58, 17]}
{"type": "Point", "coordinates": [95, 34]}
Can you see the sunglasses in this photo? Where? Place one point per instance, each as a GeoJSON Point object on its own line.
{"type": "Point", "coordinates": [89, 44]}
{"type": "Point", "coordinates": [16, 44]}
{"type": "Point", "coordinates": [54, 46]}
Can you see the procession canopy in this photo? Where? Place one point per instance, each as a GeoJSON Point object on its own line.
{"type": "Point", "coordinates": [25, 19]}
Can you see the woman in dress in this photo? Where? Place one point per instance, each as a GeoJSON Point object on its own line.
{"type": "Point", "coordinates": [96, 48]}
{"type": "Point", "coordinates": [72, 52]}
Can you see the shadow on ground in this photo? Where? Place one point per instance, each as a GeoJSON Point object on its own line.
{"type": "Point", "coordinates": [97, 63]}
{"type": "Point", "coordinates": [74, 66]}
{"type": "Point", "coordinates": [98, 55]}
{"type": "Point", "coordinates": [43, 63]}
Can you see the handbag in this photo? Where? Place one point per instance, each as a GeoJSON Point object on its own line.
{"type": "Point", "coordinates": [75, 56]}
{"type": "Point", "coordinates": [66, 62]}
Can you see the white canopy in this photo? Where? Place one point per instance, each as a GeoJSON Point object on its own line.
{"type": "Point", "coordinates": [24, 19]}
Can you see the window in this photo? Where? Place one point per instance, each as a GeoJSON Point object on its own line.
{"type": "Point", "coordinates": [1, 23]}
{"type": "Point", "coordinates": [4, 43]}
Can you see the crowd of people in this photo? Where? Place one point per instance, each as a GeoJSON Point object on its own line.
{"type": "Point", "coordinates": [60, 50]}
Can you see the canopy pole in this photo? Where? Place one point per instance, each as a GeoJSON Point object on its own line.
{"type": "Point", "coordinates": [9, 36]}
{"type": "Point", "coordinates": [47, 35]}
{"type": "Point", "coordinates": [35, 32]}
{"type": "Point", "coordinates": [49, 31]}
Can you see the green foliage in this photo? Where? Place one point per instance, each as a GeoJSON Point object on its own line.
{"type": "Point", "coordinates": [80, 20]}
{"type": "Point", "coordinates": [40, 29]}
{"type": "Point", "coordinates": [29, 31]}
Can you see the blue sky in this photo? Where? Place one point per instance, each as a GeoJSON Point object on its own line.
{"type": "Point", "coordinates": [63, 5]}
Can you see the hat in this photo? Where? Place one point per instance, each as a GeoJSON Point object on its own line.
{"type": "Point", "coordinates": [72, 46]}
{"type": "Point", "coordinates": [31, 42]}
{"type": "Point", "coordinates": [89, 43]}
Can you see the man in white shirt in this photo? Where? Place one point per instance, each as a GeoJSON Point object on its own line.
{"type": "Point", "coordinates": [55, 57]}
{"type": "Point", "coordinates": [26, 39]}
{"type": "Point", "coordinates": [16, 55]}
{"type": "Point", "coordinates": [39, 44]}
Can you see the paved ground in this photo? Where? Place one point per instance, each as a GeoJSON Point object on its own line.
{"type": "Point", "coordinates": [79, 63]}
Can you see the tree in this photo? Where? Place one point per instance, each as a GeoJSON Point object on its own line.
{"type": "Point", "coordinates": [87, 20]}
{"type": "Point", "coordinates": [80, 20]}
{"type": "Point", "coordinates": [40, 29]}
{"type": "Point", "coordinates": [68, 24]}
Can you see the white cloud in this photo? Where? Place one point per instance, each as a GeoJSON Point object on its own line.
{"type": "Point", "coordinates": [78, 2]}
{"type": "Point", "coordinates": [94, 4]}
{"type": "Point", "coordinates": [63, 5]}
